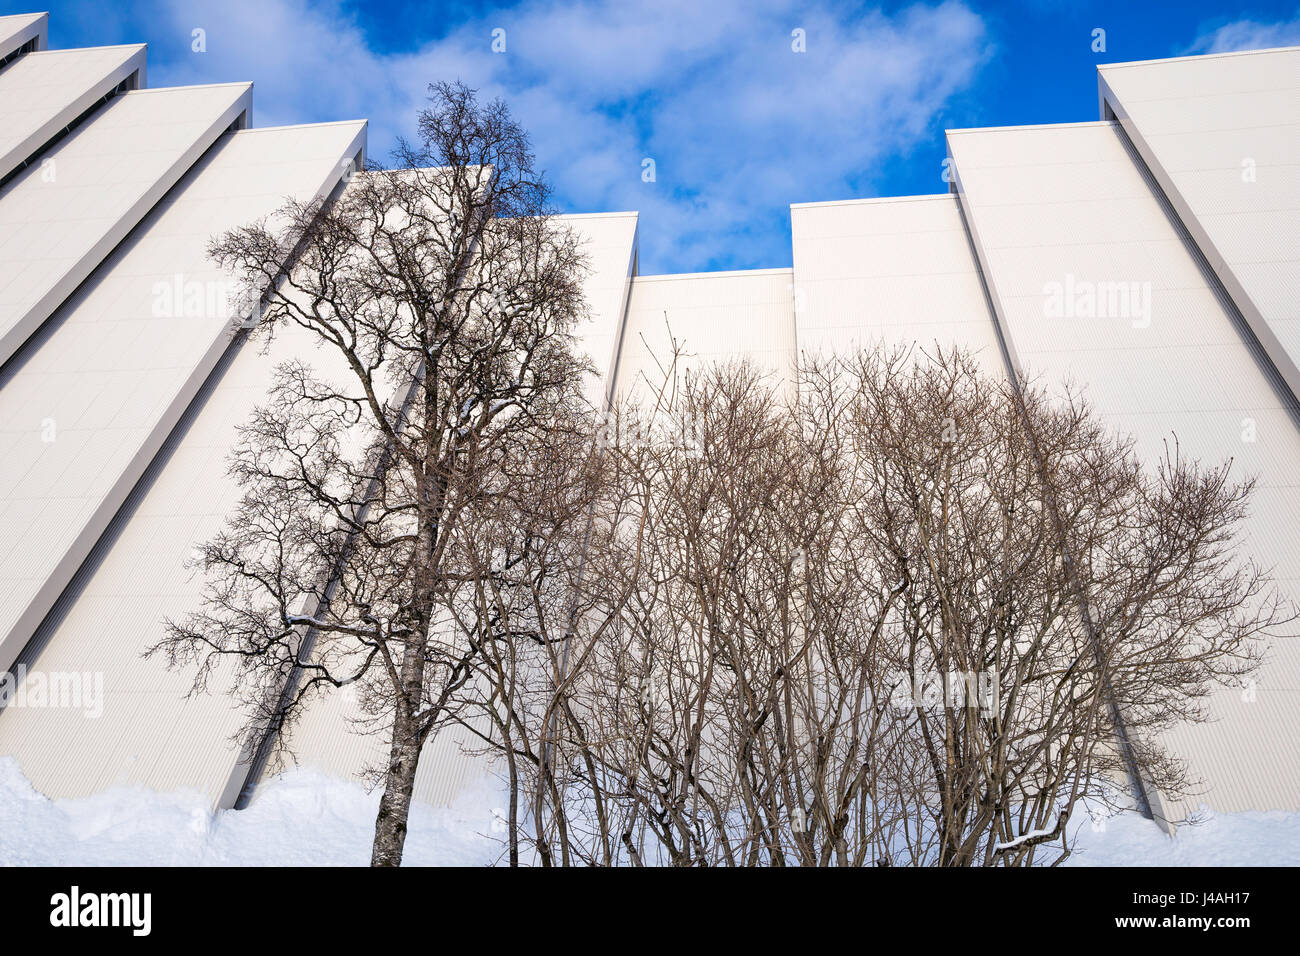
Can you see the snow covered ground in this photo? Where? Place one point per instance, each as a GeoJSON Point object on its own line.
{"type": "Point", "coordinates": [304, 818]}
{"type": "Point", "coordinates": [300, 819]}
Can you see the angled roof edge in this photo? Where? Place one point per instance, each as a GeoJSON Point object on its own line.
{"type": "Point", "coordinates": [81, 102]}
{"type": "Point", "coordinates": [725, 274]}
{"type": "Point", "coordinates": [871, 200]}
{"type": "Point", "coordinates": [598, 215]}
{"type": "Point", "coordinates": [19, 29]}
{"type": "Point", "coordinates": [25, 324]}
{"type": "Point", "coordinates": [200, 360]}
{"type": "Point", "coordinates": [1027, 126]}
{"type": "Point", "coordinates": [1198, 56]}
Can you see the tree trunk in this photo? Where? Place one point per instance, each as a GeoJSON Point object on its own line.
{"type": "Point", "coordinates": [404, 749]}
{"type": "Point", "coordinates": [403, 758]}
{"type": "Point", "coordinates": [399, 784]}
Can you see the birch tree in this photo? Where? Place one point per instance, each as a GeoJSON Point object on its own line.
{"type": "Point", "coordinates": [446, 293]}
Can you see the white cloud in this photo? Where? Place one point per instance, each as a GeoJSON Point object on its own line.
{"type": "Point", "coordinates": [1247, 35]}
{"type": "Point", "coordinates": [738, 124]}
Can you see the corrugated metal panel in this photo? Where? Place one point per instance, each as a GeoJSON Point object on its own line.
{"type": "Point", "coordinates": [21, 28]}
{"type": "Point", "coordinates": [59, 219]}
{"type": "Point", "coordinates": [333, 737]}
{"type": "Point", "coordinates": [148, 734]}
{"type": "Point", "coordinates": [115, 367]}
{"type": "Point", "coordinates": [894, 271]}
{"type": "Point", "coordinates": [609, 242]}
{"type": "Point", "coordinates": [1187, 367]}
{"type": "Point", "coordinates": [1221, 134]}
{"type": "Point", "coordinates": [41, 93]}
{"type": "Point", "coordinates": [714, 317]}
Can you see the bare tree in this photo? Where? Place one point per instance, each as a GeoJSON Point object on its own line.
{"type": "Point", "coordinates": [915, 616]}
{"type": "Point", "coordinates": [1083, 601]}
{"type": "Point", "coordinates": [442, 296]}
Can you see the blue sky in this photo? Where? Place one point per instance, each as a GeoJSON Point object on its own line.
{"type": "Point", "coordinates": [738, 124]}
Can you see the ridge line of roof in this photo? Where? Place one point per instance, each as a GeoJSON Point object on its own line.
{"type": "Point", "coordinates": [1200, 56]}
{"type": "Point", "coordinates": [725, 273]}
{"type": "Point", "coordinates": [1025, 126]}
{"type": "Point", "coordinates": [271, 129]}
{"type": "Point", "coordinates": [187, 86]}
{"type": "Point", "coordinates": [87, 49]}
{"type": "Point", "coordinates": [597, 215]}
{"type": "Point", "coordinates": [871, 199]}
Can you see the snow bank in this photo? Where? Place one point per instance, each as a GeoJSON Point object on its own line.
{"type": "Point", "coordinates": [1225, 839]}
{"type": "Point", "coordinates": [302, 818]}
{"type": "Point", "coordinates": [306, 818]}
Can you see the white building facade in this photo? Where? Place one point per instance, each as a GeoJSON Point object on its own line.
{"type": "Point", "coordinates": [1178, 210]}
